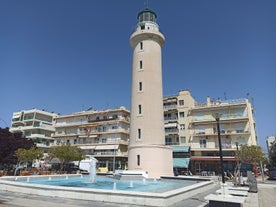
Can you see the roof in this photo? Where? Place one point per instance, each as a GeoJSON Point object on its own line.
{"type": "Point", "coordinates": [146, 10]}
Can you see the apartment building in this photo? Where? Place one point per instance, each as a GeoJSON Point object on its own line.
{"type": "Point", "coordinates": [35, 124]}
{"type": "Point", "coordinates": [177, 132]}
{"type": "Point", "coordinates": [102, 134]}
{"type": "Point", "coordinates": [237, 127]}
{"type": "Point", "coordinates": [269, 141]}
{"type": "Point", "coordinates": [190, 129]}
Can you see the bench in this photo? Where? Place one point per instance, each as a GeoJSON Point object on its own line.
{"type": "Point", "coordinates": [226, 201]}
{"type": "Point", "coordinates": [233, 192]}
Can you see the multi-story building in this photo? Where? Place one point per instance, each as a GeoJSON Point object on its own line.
{"type": "Point", "coordinates": [102, 134]}
{"type": "Point", "coordinates": [237, 127]}
{"type": "Point", "coordinates": [269, 141]}
{"type": "Point", "coordinates": [177, 133]}
{"type": "Point", "coordinates": [35, 124]}
{"type": "Point", "coordinates": [191, 128]}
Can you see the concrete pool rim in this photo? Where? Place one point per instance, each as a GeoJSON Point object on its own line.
{"type": "Point", "coordinates": [168, 198]}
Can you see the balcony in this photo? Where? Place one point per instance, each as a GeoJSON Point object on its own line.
{"type": "Point", "coordinates": [40, 136]}
{"type": "Point", "coordinates": [219, 103]}
{"type": "Point", "coordinates": [43, 145]}
{"type": "Point", "coordinates": [171, 131]}
{"type": "Point", "coordinates": [172, 143]}
{"type": "Point", "coordinates": [223, 133]}
{"type": "Point", "coordinates": [170, 107]}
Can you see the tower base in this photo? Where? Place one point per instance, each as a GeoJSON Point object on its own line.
{"type": "Point", "coordinates": [156, 160]}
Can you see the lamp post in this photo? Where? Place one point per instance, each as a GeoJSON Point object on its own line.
{"type": "Point", "coordinates": [114, 160]}
{"type": "Point", "coordinates": [237, 169]}
{"type": "Point", "coordinates": [217, 117]}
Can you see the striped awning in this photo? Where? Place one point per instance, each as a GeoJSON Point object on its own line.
{"type": "Point", "coordinates": [181, 162]}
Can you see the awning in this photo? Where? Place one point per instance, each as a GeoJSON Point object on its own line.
{"type": "Point", "coordinates": [15, 116]}
{"type": "Point", "coordinates": [87, 147]}
{"type": "Point", "coordinates": [181, 162]}
{"type": "Point", "coordinates": [181, 148]}
{"type": "Point", "coordinates": [107, 147]}
{"type": "Point", "coordinates": [171, 125]}
{"type": "Point", "coordinates": [209, 158]}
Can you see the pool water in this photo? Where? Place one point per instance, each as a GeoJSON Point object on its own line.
{"type": "Point", "coordinates": [107, 183]}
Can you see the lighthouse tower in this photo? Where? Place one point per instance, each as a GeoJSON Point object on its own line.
{"type": "Point", "coordinates": [147, 150]}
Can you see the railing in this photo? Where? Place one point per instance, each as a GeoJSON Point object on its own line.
{"type": "Point", "coordinates": [222, 132]}
{"type": "Point", "coordinates": [171, 131]}
{"type": "Point", "coordinates": [167, 107]}
{"type": "Point", "coordinates": [221, 102]}
{"type": "Point", "coordinates": [172, 143]}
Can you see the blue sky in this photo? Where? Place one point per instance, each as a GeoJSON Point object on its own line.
{"type": "Point", "coordinates": [68, 55]}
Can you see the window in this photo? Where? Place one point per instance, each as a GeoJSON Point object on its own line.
{"type": "Point", "coordinates": [140, 109]}
{"type": "Point", "coordinates": [140, 86]}
{"type": "Point", "coordinates": [138, 160]}
{"type": "Point", "coordinates": [182, 114]}
{"type": "Point", "coordinates": [139, 133]}
{"type": "Point", "coordinates": [181, 102]}
{"type": "Point", "coordinates": [202, 143]}
{"type": "Point", "coordinates": [140, 64]}
{"type": "Point", "coordinates": [183, 139]}
{"type": "Point", "coordinates": [142, 27]}
{"type": "Point", "coordinates": [114, 127]}
{"type": "Point", "coordinates": [141, 45]}
{"type": "Point", "coordinates": [182, 126]}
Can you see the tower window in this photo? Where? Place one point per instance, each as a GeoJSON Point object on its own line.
{"type": "Point", "coordinates": [140, 86]}
{"type": "Point", "coordinates": [140, 64]}
{"type": "Point", "coordinates": [140, 109]}
{"type": "Point", "coordinates": [182, 114]}
{"type": "Point", "coordinates": [138, 160]}
{"type": "Point", "coordinates": [142, 27]}
{"type": "Point", "coordinates": [139, 133]}
{"type": "Point", "coordinates": [141, 45]}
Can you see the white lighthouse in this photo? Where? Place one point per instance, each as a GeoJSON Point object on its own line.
{"type": "Point", "coordinates": [147, 150]}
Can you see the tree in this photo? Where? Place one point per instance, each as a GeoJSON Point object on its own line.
{"type": "Point", "coordinates": [28, 155]}
{"type": "Point", "coordinates": [66, 153]}
{"type": "Point", "coordinates": [272, 154]}
{"type": "Point", "coordinates": [251, 155]}
{"type": "Point", "coordinates": [9, 143]}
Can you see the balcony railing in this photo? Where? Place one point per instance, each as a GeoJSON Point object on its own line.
{"type": "Point", "coordinates": [221, 102]}
{"type": "Point", "coordinates": [172, 143]}
{"type": "Point", "coordinates": [222, 132]}
{"type": "Point", "coordinates": [169, 107]}
{"type": "Point", "coordinates": [171, 131]}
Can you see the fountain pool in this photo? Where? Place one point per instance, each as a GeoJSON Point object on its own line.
{"type": "Point", "coordinates": [163, 192]}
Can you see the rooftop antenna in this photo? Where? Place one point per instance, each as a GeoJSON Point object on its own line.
{"type": "Point", "coordinates": [147, 4]}
{"type": "Point", "coordinates": [225, 97]}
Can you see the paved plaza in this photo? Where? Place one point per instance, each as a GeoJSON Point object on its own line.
{"type": "Point", "coordinates": [264, 198]}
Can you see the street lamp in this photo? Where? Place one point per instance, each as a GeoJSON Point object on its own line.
{"type": "Point", "coordinates": [217, 117]}
{"type": "Point", "coordinates": [114, 158]}
{"type": "Point", "coordinates": [237, 169]}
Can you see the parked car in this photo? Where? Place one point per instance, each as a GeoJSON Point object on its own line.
{"type": "Point", "coordinates": [272, 175]}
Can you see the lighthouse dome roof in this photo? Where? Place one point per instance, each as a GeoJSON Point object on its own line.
{"type": "Point", "coordinates": [147, 15]}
